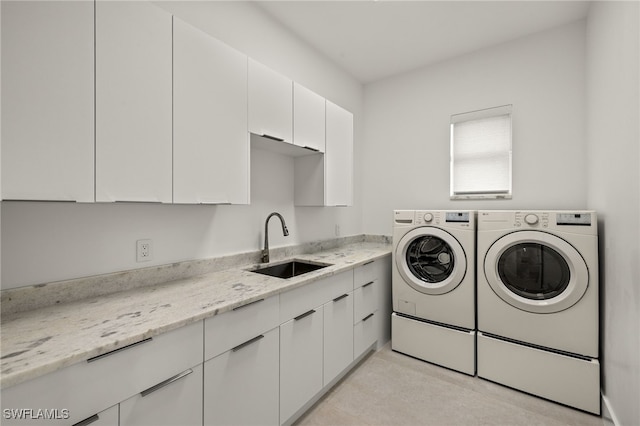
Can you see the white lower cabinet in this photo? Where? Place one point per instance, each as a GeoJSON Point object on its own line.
{"type": "Point", "coordinates": [174, 401]}
{"type": "Point", "coordinates": [338, 336]}
{"type": "Point", "coordinates": [241, 385]}
{"type": "Point", "coordinates": [300, 361]}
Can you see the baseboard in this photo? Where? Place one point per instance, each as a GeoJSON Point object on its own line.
{"type": "Point", "coordinates": [607, 412]}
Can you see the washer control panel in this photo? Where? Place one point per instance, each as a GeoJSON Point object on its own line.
{"type": "Point", "coordinates": [578, 221]}
{"type": "Point", "coordinates": [537, 219]}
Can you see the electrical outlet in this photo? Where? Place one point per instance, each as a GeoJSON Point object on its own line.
{"type": "Point", "coordinates": [144, 252]}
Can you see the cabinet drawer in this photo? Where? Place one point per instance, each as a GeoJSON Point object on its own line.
{"type": "Point", "coordinates": [365, 300]}
{"type": "Point", "coordinates": [365, 274]}
{"type": "Point", "coordinates": [364, 334]}
{"type": "Point", "coordinates": [94, 385]}
{"type": "Point", "coordinates": [302, 299]}
{"type": "Point", "coordinates": [241, 386]}
{"type": "Point", "coordinates": [177, 400]}
{"type": "Point", "coordinates": [108, 417]}
{"type": "Point", "coordinates": [232, 328]}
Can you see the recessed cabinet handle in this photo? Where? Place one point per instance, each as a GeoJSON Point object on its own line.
{"type": "Point", "coordinates": [367, 284]}
{"type": "Point", "coordinates": [368, 263]}
{"type": "Point", "coordinates": [275, 138]}
{"type": "Point", "coordinates": [306, 314]}
{"type": "Point", "coordinates": [247, 343]}
{"type": "Point", "coordinates": [367, 317]}
{"type": "Point", "coordinates": [340, 297]}
{"type": "Point", "coordinates": [96, 358]}
{"type": "Point", "coordinates": [166, 382]}
{"type": "Point", "coordinates": [310, 148]}
{"type": "Point", "coordinates": [248, 304]}
{"type": "Point", "coordinates": [87, 421]}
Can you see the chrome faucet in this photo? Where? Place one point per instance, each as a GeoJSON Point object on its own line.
{"type": "Point", "coordinates": [285, 232]}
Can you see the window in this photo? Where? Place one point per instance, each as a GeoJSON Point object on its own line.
{"type": "Point", "coordinates": [481, 154]}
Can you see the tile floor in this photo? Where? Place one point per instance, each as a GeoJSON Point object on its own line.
{"type": "Point", "coordinates": [389, 388]}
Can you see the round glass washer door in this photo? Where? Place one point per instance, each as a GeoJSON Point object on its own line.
{"type": "Point", "coordinates": [536, 272]}
{"type": "Point", "coordinates": [431, 260]}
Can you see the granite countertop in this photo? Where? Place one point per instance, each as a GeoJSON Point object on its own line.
{"type": "Point", "coordinates": [40, 341]}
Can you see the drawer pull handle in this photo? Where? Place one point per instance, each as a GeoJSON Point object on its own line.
{"type": "Point", "coordinates": [87, 421]}
{"type": "Point", "coordinates": [275, 138]}
{"type": "Point", "coordinates": [340, 297]}
{"type": "Point", "coordinates": [166, 382]}
{"type": "Point", "coordinates": [247, 343]}
{"type": "Point", "coordinates": [96, 358]}
{"type": "Point", "coordinates": [310, 148]}
{"type": "Point", "coordinates": [367, 284]}
{"type": "Point", "coordinates": [306, 314]}
{"type": "Point", "coordinates": [248, 304]}
{"type": "Point", "coordinates": [367, 317]}
{"type": "Point", "coordinates": [368, 263]}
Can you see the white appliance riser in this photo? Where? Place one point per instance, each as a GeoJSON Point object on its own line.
{"type": "Point", "coordinates": [571, 381]}
{"type": "Point", "coordinates": [448, 347]}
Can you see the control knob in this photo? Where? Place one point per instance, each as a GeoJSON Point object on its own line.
{"type": "Point", "coordinates": [531, 219]}
{"type": "Point", "coordinates": [428, 217]}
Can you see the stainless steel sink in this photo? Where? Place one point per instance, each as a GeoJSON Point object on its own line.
{"type": "Point", "coordinates": [289, 269]}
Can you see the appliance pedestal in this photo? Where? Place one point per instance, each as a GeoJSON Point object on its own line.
{"type": "Point", "coordinates": [565, 379]}
{"type": "Point", "coordinates": [448, 347]}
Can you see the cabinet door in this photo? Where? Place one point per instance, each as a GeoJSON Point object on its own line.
{"type": "Point", "coordinates": [300, 361]}
{"type": "Point", "coordinates": [211, 143]}
{"type": "Point", "coordinates": [308, 118]}
{"type": "Point", "coordinates": [364, 334]}
{"type": "Point", "coordinates": [339, 157]}
{"type": "Point", "coordinates": [270, 103]}
{"type": "Point", "coordinates": [241, 385]}
{"type": "Point", "coordinates": [133, 102]}
{"type": "Point", "coordinates": [176, 401]}
{"type": "Point", "coordinates": [338, 336]}
{"type": "Point", "coordinates": [47, 101]}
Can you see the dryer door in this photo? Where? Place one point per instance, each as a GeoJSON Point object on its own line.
{"type": "Point", "coordinates": [536, 271]}
{"type": "Point", "coordinates": [431, 260]}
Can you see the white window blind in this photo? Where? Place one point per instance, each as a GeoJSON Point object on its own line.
{"type": "Point", "coordinates": [481, 154]}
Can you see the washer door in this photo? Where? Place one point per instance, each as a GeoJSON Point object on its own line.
{"type": "Point", "coordinates": [536, 271]}
{"type": "Point", "coordinates": [431, 260]}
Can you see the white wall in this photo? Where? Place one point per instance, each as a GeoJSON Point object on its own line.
{"type": "Point", "coordinates": [406, 161]}
{"type": "Point", "coordinates": [613, 142]}
{"type": "Point", "coordinates": [44, 242]}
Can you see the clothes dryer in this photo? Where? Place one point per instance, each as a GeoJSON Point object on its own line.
{"type": "Point", "coordinates": [433, 287]}
{"type": "Point", "coordinates": [538, 317]}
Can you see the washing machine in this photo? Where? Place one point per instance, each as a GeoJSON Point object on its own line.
{"type": "Point", "coordinates": [538, 304]}
{"type": "Point", "coordinates": [433, 287]}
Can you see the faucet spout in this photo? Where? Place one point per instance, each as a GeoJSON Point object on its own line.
{"type": "Point", "coordinates": [285, 232]}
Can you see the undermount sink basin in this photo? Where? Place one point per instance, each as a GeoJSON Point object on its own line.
{"type": "Point", "coordinates": [289, 269]}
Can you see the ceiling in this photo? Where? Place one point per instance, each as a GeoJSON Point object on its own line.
{"type": "Point", "coordinates": [376, 39]}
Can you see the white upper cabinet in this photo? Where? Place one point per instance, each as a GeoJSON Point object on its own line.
{"type": "Point", "coordinates": [47, 101]}
{"type": "Point", "coordinates": [308, 118]}
{"type": "Point", "coordinates": [133, 102]}
{"type": "Point", "coordinates": [270, 103]}
{"type": "Point", "coordinates": [339, 157]}
{"type": "Point", "coordinates": [327, 180]}
{"type": "Point", "coordinates": [211, 143]}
